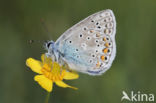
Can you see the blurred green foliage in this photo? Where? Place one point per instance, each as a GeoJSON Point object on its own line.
{"type": "Point", "coordinates": [133, 69]}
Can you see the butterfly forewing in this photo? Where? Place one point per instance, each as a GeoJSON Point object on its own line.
{"type": "Point", "coordinates": [89, 46]}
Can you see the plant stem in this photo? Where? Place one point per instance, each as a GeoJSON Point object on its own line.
{"type": "Point", "coordinates": [47, 98]}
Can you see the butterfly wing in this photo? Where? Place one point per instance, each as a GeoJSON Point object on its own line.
{"type": "Point", "coordinates": [89, 46]}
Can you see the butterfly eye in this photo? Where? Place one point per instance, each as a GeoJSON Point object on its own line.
{"type": "Point", "coordinates": [48, 45]}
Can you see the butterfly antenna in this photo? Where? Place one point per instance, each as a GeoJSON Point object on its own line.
{"type": "Point", "coordinates": [44, 26]}
{"type": "Point", "coordinates": [33, 41]}
{"type": "Point", "coordinates": [46, 29]}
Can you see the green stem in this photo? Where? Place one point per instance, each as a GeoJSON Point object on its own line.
{"type": "Point", "coordinates": [47, 98]}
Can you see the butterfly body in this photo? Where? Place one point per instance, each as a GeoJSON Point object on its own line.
{"type": "Point", "coordinates": [88, 46]}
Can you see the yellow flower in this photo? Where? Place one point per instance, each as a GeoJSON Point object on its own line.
{"type": "Point", "coordinates": [49, 73]}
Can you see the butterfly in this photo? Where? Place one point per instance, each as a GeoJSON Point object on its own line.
{"type": "Point", "coordinates": [88, 46]}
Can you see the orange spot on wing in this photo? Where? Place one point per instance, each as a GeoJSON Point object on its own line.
{"type": "Point", "coordinates": [97, 34]}
{"type": "Point", "coordinates": [107, 44]}
{"type": "Point", "coordinates": [102, 57]}
{"type": "Point", "coordinates": [106, 30]}
{"type": "Point", "coordinates": [98, 64]}
{"type": "Point", "coordinates": [104, 39]}
{"type": "Point", "coordinates": [105, 50]}
{"type": "Point", "coordinates": [91, 31]}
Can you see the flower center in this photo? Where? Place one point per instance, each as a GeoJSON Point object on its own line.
{"type": "Point", "coordinates": [54, 74]}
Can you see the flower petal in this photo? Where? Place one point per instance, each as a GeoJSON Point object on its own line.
{"type": "Point", "coordinates": [70, 75]}
{"type": "Point", "coordinates": [44, 82]}
{"type": "Point", "coordinates": [35, 65]}
{"type": "Point", "coordinates": [46, 60]}
{"type": "Point", "coordinates": [64, 85]}
{"type": "Point", "coordinates": [43, 57]}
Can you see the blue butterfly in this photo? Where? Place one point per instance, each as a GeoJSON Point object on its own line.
{"type": "Point", "coordinates": [89, 46]}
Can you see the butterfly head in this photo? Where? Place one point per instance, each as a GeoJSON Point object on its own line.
{"type": "Point", "coordinates": [52, 51]}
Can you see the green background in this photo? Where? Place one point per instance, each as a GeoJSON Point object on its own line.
{"type": "Point", "coordinates": [134, 68]}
